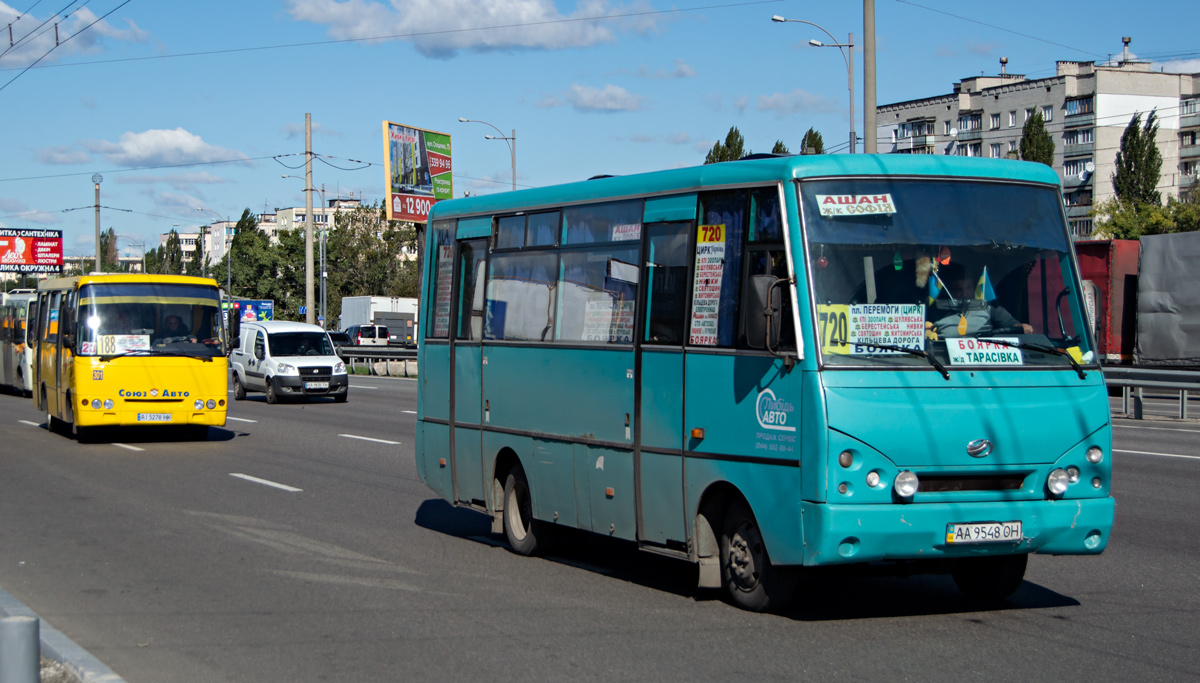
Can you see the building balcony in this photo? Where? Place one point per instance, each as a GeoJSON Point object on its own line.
{"type": "Point", "coordinates": [969, 135]}
{"type": "Point", "coordinates": [1188, 181]}
{"type": "Point", "coordinates": [1079, 210]}
{"type": "Point", "coordinates": [1077, 120]}
{"type": "Point", "coordinates": [1189, 151]}
{"type": "Point", "coordinates": [1189, 120]}
{"type": "Point", "coordinates": [1079, 149]}
{"type": "Point", "coordinates": [1073, 181]}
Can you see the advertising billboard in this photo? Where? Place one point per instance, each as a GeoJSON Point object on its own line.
{"type": "Point", "coordinates": [417, 163]}
{"type": "Point", "coordinates": [30, 251]}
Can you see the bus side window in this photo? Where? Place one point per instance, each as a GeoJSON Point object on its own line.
{"type": "Point", "coordinates": [470, 288]}
{"type": "Point", "coordinates": [766, 256]}
{"type": "Point", "coordinates": [50, 319]}
{"type": "Point", "coordinates": [667, 282]}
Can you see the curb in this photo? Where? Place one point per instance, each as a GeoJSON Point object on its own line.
{"type": "Point", "coordinates": [55, 645]}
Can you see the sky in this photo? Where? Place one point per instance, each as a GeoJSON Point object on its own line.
{"type": "Point", "coordinates": [187, 105]}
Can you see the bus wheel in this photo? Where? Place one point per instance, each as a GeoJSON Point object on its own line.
{"type": "Point", "coordinates": [239, 391]}
{"type": "Point", "coordinates": [520, 527]}
{"type": "Point", "coordinates": [750, 580]}
{"type": "Point", "coordinates": [990, 578]}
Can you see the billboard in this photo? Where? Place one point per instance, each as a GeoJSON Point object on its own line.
{"type": "Point", "coordinates": [417, 163]}
{"type": "Point", "coordinates": [249, 310]}
{"type": "Point", "coordinates": [30, 251]}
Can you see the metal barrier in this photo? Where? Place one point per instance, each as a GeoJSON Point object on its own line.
{"type": "Point", "coordinates": [1133, 380]}
{"type": "Point", "coordinates": [371, 354]}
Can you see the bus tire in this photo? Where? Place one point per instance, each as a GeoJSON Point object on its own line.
{"type": "Point", "coordinates": [272, 397]}
{"type": "Point", "coordinates": [990, 578]}
{"type": "Point", "coordinates": [750, 581]}
{"type": "Point", "coordinates": [239, 390]}
{"type": "Point", "coordinates": [520, 527]}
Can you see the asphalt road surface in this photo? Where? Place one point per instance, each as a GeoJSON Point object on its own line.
{"type": "Point", "coordinates": [298, 544]}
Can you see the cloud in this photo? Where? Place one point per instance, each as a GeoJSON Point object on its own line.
{"type": "Point", "coordinates": [41, 43]}
{"type": "Point", "coordinates": [1180, 66]}
{"type": "Point", "coordinates": [63, 155]}
{"type": "Point", "coordinates": [740, 103]}
{"type": "Point", "coordinates": [609, 99]}
{"type": "Point", "coordinates": [159, 148]}
{"type": "Point", "coordinates": [295, 131]}
{"type": "Point", "coordinates": [795, 102]}
{"type": "Point", "coordinates": [21, 213]}
{"type": "Point", "coordinates": [682, 70]}
{"type": "Point", "coordinates": [676, 138]}
{"type": "Point", "coordinates": [442, 28]}
{"type": "Point", "coordinates": [178, 181]}
{"type": "Point", "coordinates": [946, 51]}
{"type": "Point", "coordinates": [982, 49]}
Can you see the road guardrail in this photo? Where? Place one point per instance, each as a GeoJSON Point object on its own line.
{"type": "Point", "coordinates": [1133, 380]}
{"type": "Point", "coordinates": [375, 354]}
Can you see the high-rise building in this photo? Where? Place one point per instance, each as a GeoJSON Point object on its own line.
{"type": "Point", "coordinates": [1086, 107]}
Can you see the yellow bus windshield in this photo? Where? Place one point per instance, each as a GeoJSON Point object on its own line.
{"type": "Point", "coordinates": [133, 318]}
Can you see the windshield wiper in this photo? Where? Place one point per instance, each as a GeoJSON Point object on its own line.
{"type": "Point", "coordinates": [1037, 347]}
{"type": "Point", "coordinates": [154, 352]}
{"type": "Point", "coordinates": [912, 352]}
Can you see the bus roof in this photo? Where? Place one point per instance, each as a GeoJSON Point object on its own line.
{"type": "Point", "coordinates": [746, 171]}
{"type": "Point", "coordinates": [128, 278]}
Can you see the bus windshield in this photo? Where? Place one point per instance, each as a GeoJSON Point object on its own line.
{"type": "Point", "coordinates": [136, 318]}
{"type": "Point", "coordinates": [917, 272]}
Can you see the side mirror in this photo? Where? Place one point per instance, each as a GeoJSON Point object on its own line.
{"type": "Point", "coordinates": [764, 312]}
{"type": "Point", "coordinates": [235, 330]}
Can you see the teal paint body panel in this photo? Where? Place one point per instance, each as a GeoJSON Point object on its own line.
{"type": "Point", "coordinates": [663, 516]}
{"type": "Point", "coordinates": [434, 394]}
{"type": "Point", "coordinates": [553, 476]}
{"type": "Point", "coordinates": [468, 384]}
{"type": "Point", "coordinates": [747, 406]}
{"type": "Point", "coordinates": [474, 227]}
{"type": "Point", "coordinates": [436, 445]}
{"type": "Point", "coordinates": [612, 514]}
{"type": "Point", "coordinates": [771, 491]}
{"type": "Point", "coordinates": [573, 393]}
{"type": "Point", "coordinates": [662, 398]}
{"type": "Point", "coordinates": [468, 464]}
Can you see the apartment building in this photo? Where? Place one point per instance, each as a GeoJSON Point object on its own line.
{"type": "Point", "coordinates": [1086, 107]}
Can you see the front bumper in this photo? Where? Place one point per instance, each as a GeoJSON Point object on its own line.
{"type": "Point", "coordinates": [836, 534]}
{"type": "Point", "coordinates": [294, 385]}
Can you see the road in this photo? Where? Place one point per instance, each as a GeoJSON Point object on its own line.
{"type": "Point", "coordinates": [175, 561]}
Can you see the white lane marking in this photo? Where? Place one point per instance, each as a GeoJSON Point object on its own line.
{"type": "Point", "coordinates": [31, 424]}
{"type": "Point", "coordinates": [265, 482]}
{"type": "Point", "coordinates": [238, 419]}
{"type": "Point", "coordinates": [127, 446]}
{"type": "Point", "coordinates": [1165, 455]}
{"type": "Point", "coordinates": [410, 412]}
{"type": "Point", "coordinates": [1157, 429]}
{"type": "Point", "coordinates": [367, 438]}
{"type": "Point", "coordinates": [362, 386]}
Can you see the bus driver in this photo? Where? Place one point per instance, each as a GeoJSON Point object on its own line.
{"type": "Point", "coordinates": [957, 313]}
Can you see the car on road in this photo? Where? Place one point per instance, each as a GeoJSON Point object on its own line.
{"type": "Point", "coordinates": [286, 360]}
{"type": "Point", "coordinates": [368, 335]}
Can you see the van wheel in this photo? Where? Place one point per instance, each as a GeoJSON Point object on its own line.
{"type": "Point", "coordinates": [342, 398]}
{"type": "Point", "coordinates": [520, 527]}
{"type": "Point", "coordinates": [990, 578]}
{"type": "Point", "coordinates": [750, 580]}
{"type": "Point", "coordinates": [239, 391]}
{"type": "Point", "coordinates": [271, 395]}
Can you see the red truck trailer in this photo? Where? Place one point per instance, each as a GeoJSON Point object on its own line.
{"type": "Point", "coordinates": [1109, 269]}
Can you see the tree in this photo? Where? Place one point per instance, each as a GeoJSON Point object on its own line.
{"type": "Point", "coordinates": [732, 150]}
{"type": "Point", "coordinates": [812, 139]}
{"type": "Point", "coordinates": [171, 255]}
{"type": "Point", "coordinates": [195, 264]}
{"type": "Point", "coordinates": [1036, 143]}
{"type": "Point", "coordinates": [1121, 220]}
{"type": "Point", "coordinates": [779, 148]}
{"type": "Point", "coordinates": [1139, 163]}
{"type": "Point", "coordinates": [367, 255]}
{"type": "Point", "coordinates": [109, 262]}
{"type": "Point", "coordinates": [153, 260]}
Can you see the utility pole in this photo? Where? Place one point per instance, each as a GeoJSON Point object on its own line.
{"type": "Point", "coordinates": [870, 136]}
{"type": "Point", "coordinates": [96, 179]}
{"type": "Point", "coordinates": [309, 313]}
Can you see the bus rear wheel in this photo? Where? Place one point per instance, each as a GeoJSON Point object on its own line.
{"type": "Point", "coordinates": [749, 578]}
{"type": "Point", "coordinates": [521, 529]}
{"type": "Point", "coordinates": [990, 578]}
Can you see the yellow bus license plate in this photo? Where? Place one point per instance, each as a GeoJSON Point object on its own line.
{"type": "Point", "coordinates": [153, 417]}
{"type": "Point", "coordinates": [983, 532]}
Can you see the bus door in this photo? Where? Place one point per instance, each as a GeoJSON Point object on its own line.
{"type": "Point", "coordinates": [47, 356]}
{"type": "Point", "coordinates": [659, 466]}
{"type": "Point", "coordinates": [741, 402]}
{"type": "Point", "coordinates": [64, 357]}
{"type": "Point", "coordinates": [467, 389]}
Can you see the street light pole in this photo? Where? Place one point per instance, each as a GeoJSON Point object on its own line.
{"type": "Point", "coordinates": [849, 60]}
{"type": "Point", "coordinates": [309, 314]}
{"type": "Point", "coordinates": [511, 141]}
{"type": "Point", "coordinates": [96, 179]}
{"type": "Point", "coordinates": [321, 233]}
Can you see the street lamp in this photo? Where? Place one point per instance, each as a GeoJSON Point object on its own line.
{"type": "Point", "coordinates": [321, 235]}
{"type": "Point", "coordinates": [228, 253]}
{"type": "Point", "coordinates": [511, 141]}
{"type": "Point", "coordinates": [847, 57]}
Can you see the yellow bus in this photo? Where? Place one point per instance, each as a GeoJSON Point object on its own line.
{"type": "Point", "coordinates": [121, 350]}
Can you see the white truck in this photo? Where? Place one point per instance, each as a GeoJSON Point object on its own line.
{"type": "Point", "coordinates": [399, 314]}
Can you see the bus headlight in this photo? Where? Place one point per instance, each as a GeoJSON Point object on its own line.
{"type": "Point", "coordinates": [1095, 455]}
{"type": "Point", "coordinates": [108, 404]}
{"type": "Point", "coordinates": [1057, 481]}
{"type": "Point", "coordinates": [906, 484]}
{"type": "Point", "coordinates": [95, 404]}
{"type": "Point", "coordinates": [199, 404]}
{"type": "Point", "coordinates": [210, 404]}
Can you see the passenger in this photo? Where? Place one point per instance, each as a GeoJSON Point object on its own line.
{"type": "Point", "coordinates": [957, 313]}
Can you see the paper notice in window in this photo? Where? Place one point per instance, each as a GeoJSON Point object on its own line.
{"type": "Point", "coordinates": [856, 204]}
{"type": "Point", "coordinates": [706, 293]}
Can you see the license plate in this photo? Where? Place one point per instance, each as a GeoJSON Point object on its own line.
{"type": "Point", "coordinates": [154, 417]}
{"type": "Point", "coordinates": [316, 385]}
{"type": "Point", "coordinates": [983, 532]}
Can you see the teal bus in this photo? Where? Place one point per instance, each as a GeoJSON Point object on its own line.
{"type": "Point", "coordinates": [771, 364]}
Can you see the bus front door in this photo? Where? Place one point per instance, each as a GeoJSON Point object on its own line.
{"type": "Point", "coordinates": [466, 356]}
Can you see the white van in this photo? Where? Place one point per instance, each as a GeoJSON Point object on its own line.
{"type": "Point", "coordinates": [287, 361]}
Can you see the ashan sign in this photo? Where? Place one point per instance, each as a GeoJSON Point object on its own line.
{"type": "Point", "coordinates": [30, 251]}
